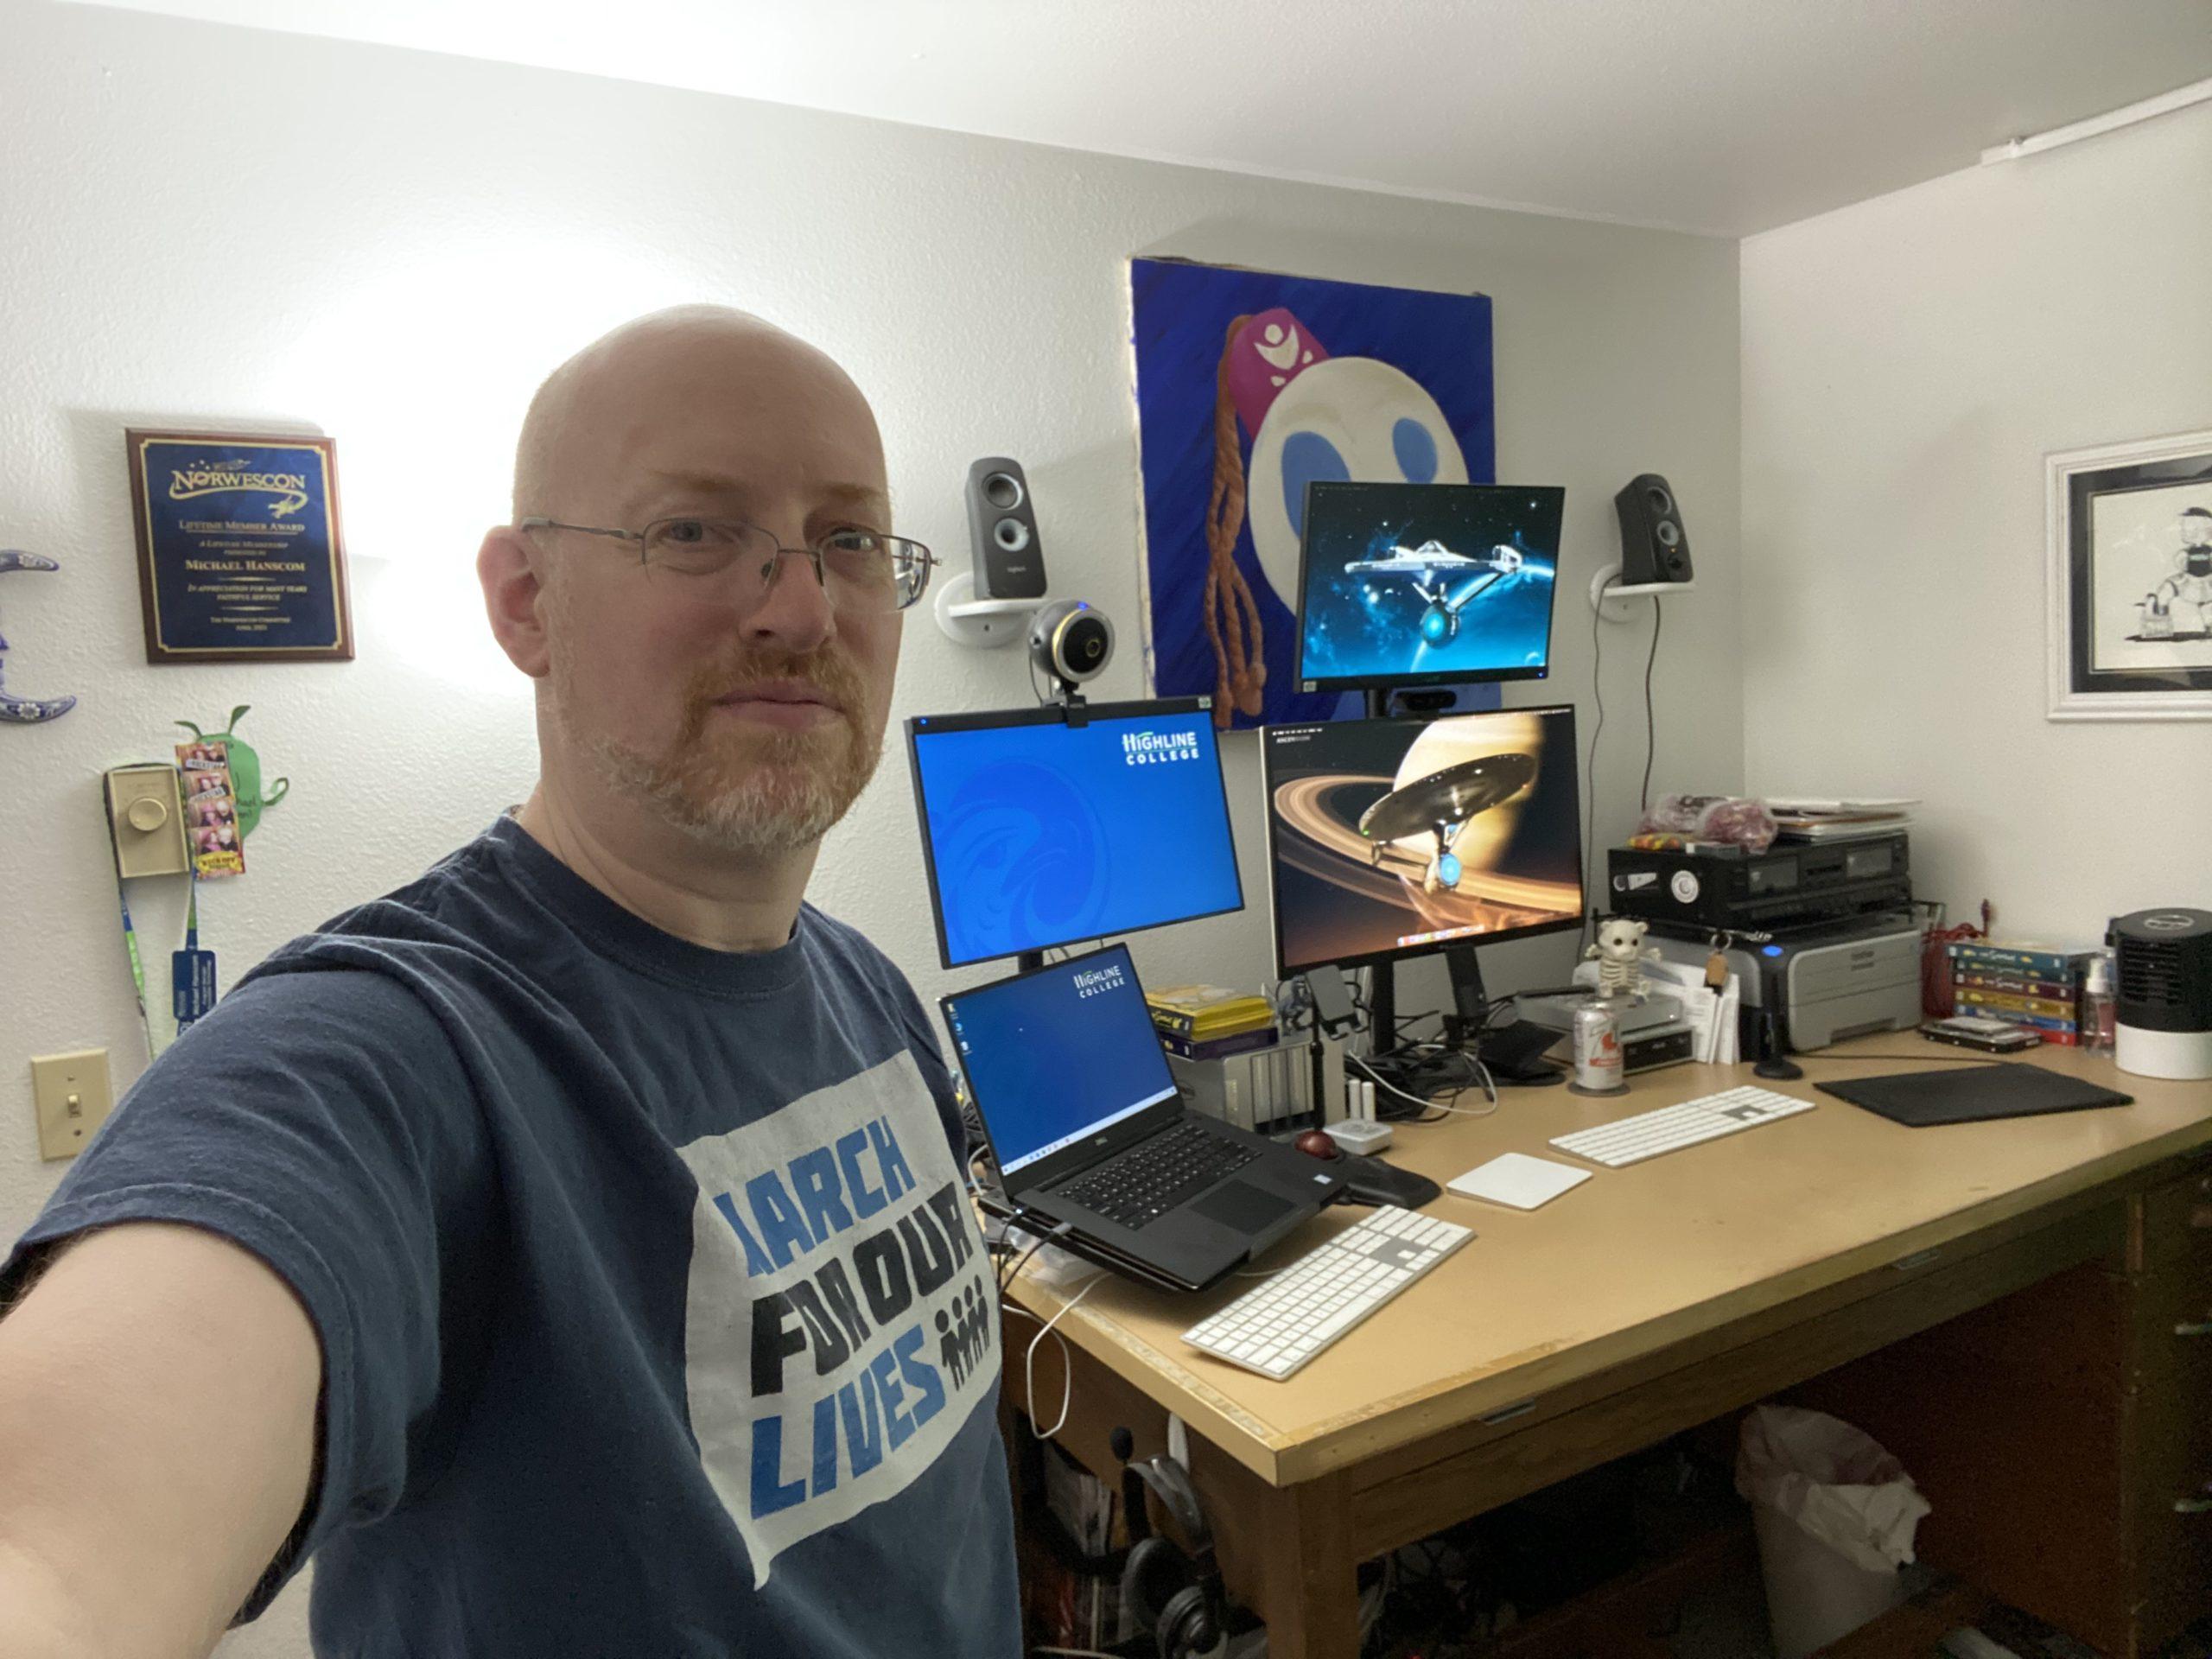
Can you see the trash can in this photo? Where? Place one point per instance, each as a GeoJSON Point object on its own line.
{"type": "Point", "coordinates": [1835, 1516]}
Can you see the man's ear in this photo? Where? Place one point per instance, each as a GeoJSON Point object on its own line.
{"type": "Point", "coordinates": [512, 569]}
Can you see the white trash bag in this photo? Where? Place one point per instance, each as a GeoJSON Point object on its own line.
{"type": "Point", "coordinates": [1835, 1516]}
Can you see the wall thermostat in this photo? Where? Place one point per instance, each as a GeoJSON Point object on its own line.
{"type": "Point", "coordinates": [147, 817]}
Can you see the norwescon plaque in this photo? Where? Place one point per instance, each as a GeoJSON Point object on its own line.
{"type": "Point", "coordinates": [239, 555]}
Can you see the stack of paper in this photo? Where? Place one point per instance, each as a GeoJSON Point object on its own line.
{"type": "Point", "coordinates": [1807, 818]}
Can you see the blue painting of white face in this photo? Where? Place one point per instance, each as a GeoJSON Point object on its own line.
{"type": "Point", "coordinates": [1347, 418]}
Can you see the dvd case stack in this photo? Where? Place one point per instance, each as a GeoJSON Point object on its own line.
{"type": "Point", "coordinates": [2037, 988]}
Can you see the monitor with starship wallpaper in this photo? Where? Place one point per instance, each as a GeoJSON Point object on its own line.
{"type": "Point", "coordinates": [1428, 584]}
{"type": "Point", "coordinates": [1395, 837]}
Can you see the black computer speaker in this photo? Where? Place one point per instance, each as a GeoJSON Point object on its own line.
{"type": "Point", "coordinates": [1002, 525]}
{"type": "Point", "coordinates": [1653, 546]}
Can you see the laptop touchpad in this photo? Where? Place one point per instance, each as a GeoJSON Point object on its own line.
{"type": "Point", "coordinates": [1240, 1204]}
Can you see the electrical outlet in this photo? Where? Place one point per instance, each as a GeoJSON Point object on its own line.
{"type": "Point", "coordinates": [73, 1096]}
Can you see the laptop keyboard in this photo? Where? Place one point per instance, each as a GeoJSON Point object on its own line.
{"type": "Point", "coordinates": [1153, 1177]}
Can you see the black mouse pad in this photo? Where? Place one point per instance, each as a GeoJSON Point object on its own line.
{"type": "Point", "coordinates": [1970, 1094]}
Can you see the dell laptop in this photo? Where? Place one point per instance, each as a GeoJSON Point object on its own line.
{"type": "Point", "coordinates": [1088, 1130]}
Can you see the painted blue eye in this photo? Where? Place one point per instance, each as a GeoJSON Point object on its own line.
{"type": "Point", "coordinates": [1307, 458]}
{"type": "Point", "coordinates": [1416, 451]}
{"type": "Point", "coordinates": [1448, 869]}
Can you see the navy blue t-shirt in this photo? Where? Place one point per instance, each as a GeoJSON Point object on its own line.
{"type": "Point", "coordinates": [654, 1319]}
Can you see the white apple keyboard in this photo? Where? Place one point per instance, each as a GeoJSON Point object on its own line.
{"type": "Point", "coordinates": [1276, 1327]}
{"type": "Point", "coordinates": [1670, 1129]}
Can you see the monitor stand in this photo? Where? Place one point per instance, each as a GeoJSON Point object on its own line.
{"type": "Point", "coordinates": [1506, 1052]}
{"type": "Point", "coordinates": [1506, 1060]}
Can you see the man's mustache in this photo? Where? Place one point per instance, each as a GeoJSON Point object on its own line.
{"type": "Point", "coordinates": [829, 673]}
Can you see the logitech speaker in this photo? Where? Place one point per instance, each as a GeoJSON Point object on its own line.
{"type": "Point", "coordinates": [1002, 525]}
{"type": "Point", "coordinates": [1653, 546]}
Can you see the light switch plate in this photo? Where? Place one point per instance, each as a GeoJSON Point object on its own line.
{"type": "Point", "coordinates": [73, 1096]}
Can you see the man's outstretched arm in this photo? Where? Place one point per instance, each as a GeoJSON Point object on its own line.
{"type": "Point", "coordinates": [158, 1389]}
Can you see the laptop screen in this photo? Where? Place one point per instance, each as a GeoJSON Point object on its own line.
{"type": "Point", "coordinates": [1054, 1056]}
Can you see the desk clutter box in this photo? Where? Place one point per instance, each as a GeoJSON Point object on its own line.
{"type": "Point", "coordinates": [1267, 1091]}
{"type": "Point", "coordinates": [2033, 987]}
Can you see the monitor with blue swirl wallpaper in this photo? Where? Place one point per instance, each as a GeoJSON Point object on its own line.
{"type": "Point", "coordinates": [1039, 832]}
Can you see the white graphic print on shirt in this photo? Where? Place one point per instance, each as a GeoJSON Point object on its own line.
{"type": "Point", "coordinates": [838, 1326]}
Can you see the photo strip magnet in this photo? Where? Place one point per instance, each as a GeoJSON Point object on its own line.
{"type": "Point", "coordinates": [211, 808]}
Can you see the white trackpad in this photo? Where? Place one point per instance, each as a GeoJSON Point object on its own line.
{"type": "Point", "coordinates": [1518, 1179]}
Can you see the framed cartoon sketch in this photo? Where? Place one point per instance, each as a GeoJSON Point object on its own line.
{"type": "Point", "coordinates": [2131, 580]}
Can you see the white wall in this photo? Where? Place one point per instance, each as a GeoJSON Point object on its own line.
{"type": "Point", "coordinates": [1907, 364]}
{"type": "Point", "coordinates": [201, 225]}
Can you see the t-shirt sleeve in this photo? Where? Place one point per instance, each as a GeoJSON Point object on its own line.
{"type": "Point", "coordinates": [323, 1121]}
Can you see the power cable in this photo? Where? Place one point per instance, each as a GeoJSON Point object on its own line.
{"type": "Point", "coordinates": [1590, 795]}
{"type": "Point", "coordinates": [1650, 717]}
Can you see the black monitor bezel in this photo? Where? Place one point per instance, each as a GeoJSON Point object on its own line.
{"type": "Point", "coordinates": [1057, 1165]}
{"type": "Point", "coordinates": [1410, 682]}
{"type": "Point", "coordinates": [1054, 714]}
{"type": "Point", "coordinates": [1437, 947]}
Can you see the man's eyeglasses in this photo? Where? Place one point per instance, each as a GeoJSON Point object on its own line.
{"type": "Point", "coordinates": [859, 569]}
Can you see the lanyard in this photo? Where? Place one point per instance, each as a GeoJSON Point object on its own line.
{"type": "Point", "coordinates": [192, 970]}
{"type": "Point", "coordinates": [138, 967]}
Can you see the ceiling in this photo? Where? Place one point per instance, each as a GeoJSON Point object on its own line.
{"type": "Point", "coordinates": [1726, 117]}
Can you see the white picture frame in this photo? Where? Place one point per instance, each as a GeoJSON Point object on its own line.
{"type": "Point", "coordinates": [2128, 629]}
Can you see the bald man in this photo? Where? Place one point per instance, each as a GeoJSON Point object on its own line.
{"type": "Point", "coordinates": [567, 1251]}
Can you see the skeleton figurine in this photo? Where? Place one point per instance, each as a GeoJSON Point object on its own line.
{"type": "Point", "coordinates": [1621, 953]}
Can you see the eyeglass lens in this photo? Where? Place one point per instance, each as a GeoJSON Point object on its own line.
{"type": "Point", "coordinates": [859, 569]}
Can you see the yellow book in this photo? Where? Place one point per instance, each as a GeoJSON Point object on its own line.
{"type": "Point", "coordinates": [1207, 1011]}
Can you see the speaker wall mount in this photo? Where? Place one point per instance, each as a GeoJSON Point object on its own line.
{"type": "Point", "coordinates": [1612, 601]}
{"type": "Point", "coordinates": [979, 623]}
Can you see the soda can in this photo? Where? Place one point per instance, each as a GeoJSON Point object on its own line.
{"type": "Point", "coordinates": [1597, 1051]}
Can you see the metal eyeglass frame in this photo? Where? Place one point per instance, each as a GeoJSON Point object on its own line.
{"type": "Point", "coordinates": [918, 554]}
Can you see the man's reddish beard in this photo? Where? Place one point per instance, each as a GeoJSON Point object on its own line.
{"type": "Point", "coordinates": [758, 788]}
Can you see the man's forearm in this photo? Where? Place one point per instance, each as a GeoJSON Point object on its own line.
{"type": "Point", "coordinates": [185, 1372]}
{"type": "Point", "coordinates": [40, 1616]}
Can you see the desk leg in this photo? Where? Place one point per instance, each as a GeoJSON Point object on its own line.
{"type": "Point", "coordinates": [1310, 1581]}
{"type": "Point", "coordinates": [1285, 1552]}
